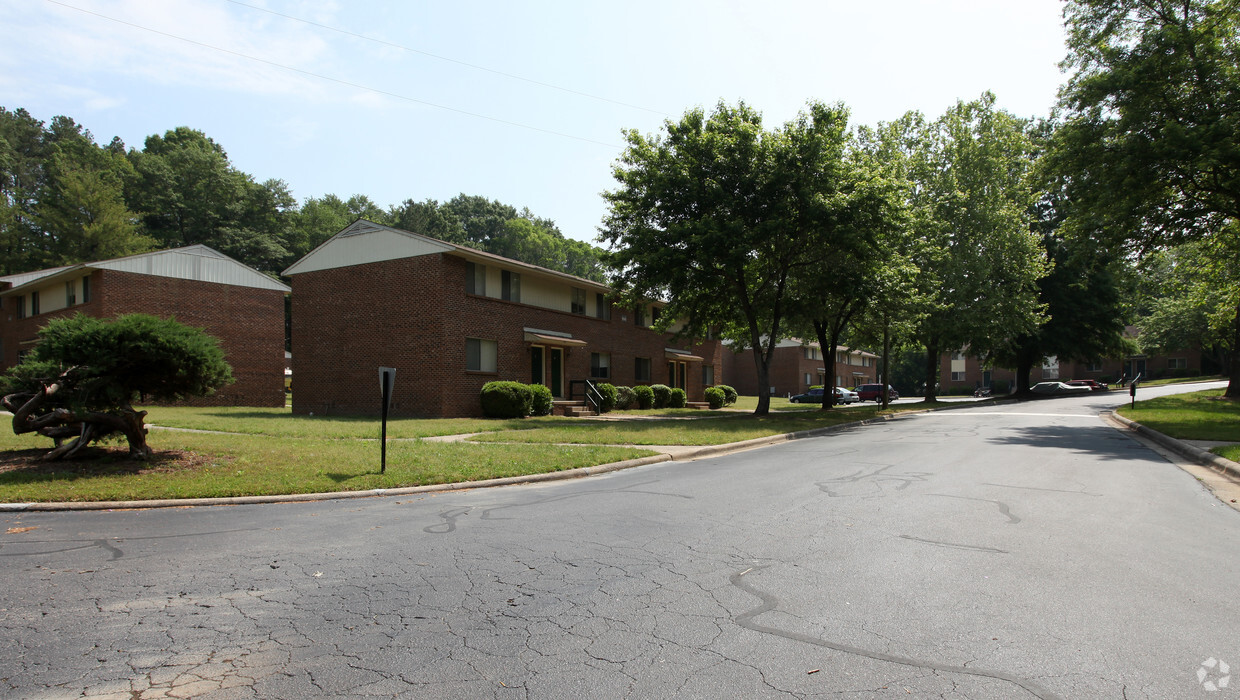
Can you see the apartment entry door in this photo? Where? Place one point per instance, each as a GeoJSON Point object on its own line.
{"type": "Point", "coordinates": [540, 357]}
{"type": "Point", "coordinates": [676, 373]}
{"type": "Point", "coordinates": [557, 372]}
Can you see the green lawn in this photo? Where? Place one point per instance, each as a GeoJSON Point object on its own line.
{"type": "Point", "coordinates": [242, 465]}
{"type": "Point", "coordinates": [1201, 415]}
{"type": "Point", "coordinates": [261, 451]}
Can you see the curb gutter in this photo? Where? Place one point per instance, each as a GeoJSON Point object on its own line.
{"type": "Point", "coordinates": [1196, 454]}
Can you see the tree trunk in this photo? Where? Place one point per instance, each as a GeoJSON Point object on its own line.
{"type": "Point", "coordinates": [61, 424]}
{"type": "Point", "coordinates": [1233, 374]}
{"type": "Point", "coordinates": [932, 371]}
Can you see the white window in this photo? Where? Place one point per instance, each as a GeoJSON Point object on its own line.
{"type": "Point", "coordinates": [21, 306]}
{"type": "Point", "coordinates": [1050, 368]}
{"type": "Point", "coordinates": [579, 301]}
{"type": "Point", "coordinates": [600, 365]}
{"type": "Point", "coordinates": [957, 376]}
{"type": "Point", "coordinates": [1177, 363]}
{"type": "Point", "coordinates": [708, 375]}
{"type": "Point", "coordinates": [481, 355]}
{"type": "Point", "coordinates": [1093, 367]}
{"type": "Point", "coordinates": [809, 379]}
{"type": "Point", "coordinates": [602, 309]}
{"type": "Point", "coordinates": [86, 290]}
{"type": "Point", "coordinates": [70, 293]}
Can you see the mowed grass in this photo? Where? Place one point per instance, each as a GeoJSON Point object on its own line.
{"type": "Point", "coordinates": [208, 465]}
{"type": "Point", "coordinates": [280, 422]}
{"type": "Point", "coordinates": [1201, 415]}
{"type": "Point", "coordinates": [720, 428]}
{"type": "Point", "coordinates": [259, 451]}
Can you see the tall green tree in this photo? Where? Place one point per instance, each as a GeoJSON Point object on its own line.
{"type": "Point", "coordinates": [1151, 141]}
{"type": "Point", "coordinates": [320, 218]}
{"type": "Point", "coordinates": [1085, 315]}
{"type": "Point", "coordinates": [853, 205]}
{"type": "Point", "coordinates": [711, 217]}
{"type": "Point", "coordinates": [188, 192]}
{"type": "Point", "coordinates": [23, 154]}
{"type": "Point", "coordinates": [972, 201]}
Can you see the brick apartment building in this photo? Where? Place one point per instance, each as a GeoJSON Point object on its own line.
{"type": "Point", "coordinates": [450, 319]}
{"type": "Point", "coordinates": [960, 372]}
{"type": "Point", "coordinates": [796, 366]}
{"type": "Point", "coordinates": [198, 286]}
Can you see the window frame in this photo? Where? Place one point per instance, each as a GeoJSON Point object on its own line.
{"type": "Point", "coordinates": [600, 365]}
{"type": "Point", "coordinates": [482, 356]}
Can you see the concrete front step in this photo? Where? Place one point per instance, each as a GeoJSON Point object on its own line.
{"type": "Point", "coordinates": [572, 409]}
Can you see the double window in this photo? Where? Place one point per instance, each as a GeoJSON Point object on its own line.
{"type": "Point", "coordinates": [475, 278]}
{"type": "Point", "coordinates": [481, 355]}
{"type": "Point", "coordinates": [600, 365]}
{"type": "Point", "coordinates": [641, 369]}
{"type": "Point", "coordinates": [511, 283]}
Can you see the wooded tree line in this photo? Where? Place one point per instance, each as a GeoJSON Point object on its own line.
{"type": "Point", "coordinates": [1016, 239]}
{"type": "Point", "coordinates": [65, 199]}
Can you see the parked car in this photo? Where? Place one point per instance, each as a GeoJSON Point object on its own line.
{"type": "Point", "coordinates": [1093, 386]}
{"type": "Point", "coordinates": [846, 396]}
{"type": "Point", "coordinates": [1057, 389]}
{"type": "Point", "coordinates": [840, 395]}
{"type": "Point", "coordinates": [811, 396]}
{"type": "Point", "coordinates": [874, 392]}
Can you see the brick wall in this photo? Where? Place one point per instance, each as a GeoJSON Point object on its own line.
{"type": "Point", "coordinates": [413, 314]}
{"type": "Point", "coordinates": [248, 322]}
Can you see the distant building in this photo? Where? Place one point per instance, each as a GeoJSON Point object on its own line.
{"type": "Point", "coordinates": [796, 366]}
{"type": "Point", "coordinates": [198, 286]}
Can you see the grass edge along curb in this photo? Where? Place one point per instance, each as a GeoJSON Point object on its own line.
{"type": "Point", "coordinates": [1202, 457]}
{"type": "Point", "coordinates": [580, 472]}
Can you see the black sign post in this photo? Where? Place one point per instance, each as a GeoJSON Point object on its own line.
{"type": "Point", "coordinates": [387, 379]}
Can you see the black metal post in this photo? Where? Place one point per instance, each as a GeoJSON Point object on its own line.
{"type": "Point", "coordinates": [387, 394]}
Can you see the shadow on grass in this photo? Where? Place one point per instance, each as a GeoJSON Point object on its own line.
{"type": "Point", "coordinates": [27, 466]}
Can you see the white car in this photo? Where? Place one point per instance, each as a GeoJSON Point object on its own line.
{"type": "Point", "coordinates": [846, 396]}
{"type": "Point", "coordinates": [1058, 389]}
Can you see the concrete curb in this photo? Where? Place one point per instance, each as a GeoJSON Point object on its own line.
{"type": "Point", "coordinates": [1196, 454]}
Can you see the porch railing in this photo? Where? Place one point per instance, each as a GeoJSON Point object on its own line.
{"type": "Point", "coordinates": [589, 393]}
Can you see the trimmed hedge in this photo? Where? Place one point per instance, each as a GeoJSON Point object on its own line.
{"type": "Point", "coordinates": [506, 400]}
{"type": "Point", "coordinates": [625, 398]}
{"type": "Point", "coordinates": [729, 394]}
{"type": "Point", "coordinates": [662, 394]}
{"type": "Point", "coordinates": [542, 402]}
{"type": "Point", "coordinates": [716, 397]}
{"type": "Point", "coordinates": [644, 396]}
{"type": "Point", "coordinates": [609, 394]}
{"type": "Point", "coordinates": [677, 399]}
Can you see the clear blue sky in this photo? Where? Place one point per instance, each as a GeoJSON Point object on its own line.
{"type": "Point", "coordinates": [523, 102]}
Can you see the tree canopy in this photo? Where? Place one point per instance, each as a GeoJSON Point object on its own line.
{"type": "Point", "coordinates": [1151, 142]}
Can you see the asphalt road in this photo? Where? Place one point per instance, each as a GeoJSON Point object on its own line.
{"type": "Point", "coordinates": [1026, 550]}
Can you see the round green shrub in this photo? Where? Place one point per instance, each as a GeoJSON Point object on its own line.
{"type": "Point", "coordinates": [729, 394]}
{"type": "Point", "coordinates": [608, 392]}
{"type": "Point", "coordinates": [506, 400]}
{"type": "Point", "coordinates": [716, 397]}
{"type": "Point", "coordinates": [677, 398]}
{"type": "Point", "coordinates": [625, 399]}
{"type": "Point", "coordinates": [644, 396]}
{"type": "Point", "coordinates": [542, 400]}
{"type": "Point", "coordinates": [662, 393]}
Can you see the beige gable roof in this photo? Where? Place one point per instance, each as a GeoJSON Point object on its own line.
{"type": "Point", "coordinates": [365, 241]}
{"type": "Point", "coordinates": [196, 262]}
